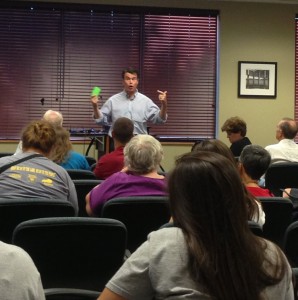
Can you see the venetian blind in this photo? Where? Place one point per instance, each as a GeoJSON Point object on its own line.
{"type": "Point", "coordinates": [51, 58]}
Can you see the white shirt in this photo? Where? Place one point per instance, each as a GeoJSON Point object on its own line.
{"type": "Point", "coordinates": [284, 151]}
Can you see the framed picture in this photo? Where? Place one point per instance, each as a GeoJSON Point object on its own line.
{"type": "Point", "coordinates": [257, 79]}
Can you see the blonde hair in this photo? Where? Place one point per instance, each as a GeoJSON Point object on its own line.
{"type": "Point", "coordinates": [143, 154]}
{"type": "Point", "coordinates": [62, 146]}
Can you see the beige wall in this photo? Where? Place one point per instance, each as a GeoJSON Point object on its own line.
{"type": "Point", "coordinates": [247, 31]}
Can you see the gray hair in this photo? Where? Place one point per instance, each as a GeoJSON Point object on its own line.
{"type": "Point", "coordinates": [143, 154]}
{"type": "Point", "coordinates": [54, 117]}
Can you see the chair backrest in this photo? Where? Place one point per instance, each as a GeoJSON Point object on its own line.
{"type": "Point", "coordinates": [290, 244]}
{"type": "Point", "coordinates": [73, 252]}
{"type": "Point", "coordinates": [278, 213]}
{"type": "Point", "coordinates": [83, 187]}
{"type": "Point", "coordinates": [91, 160]}
{"type": "Point", "coordinates": [80, 174]}
{"type": "Point", "coordinates": [141, 215]}
{"type": "Point", "coordinates": [70, 294]}
{"type": "Point", "coordinates": [255, 228]}
{"type": "Point", "coordinates": [280, 176]}
{"type": "Point", "coordinates": [15, 211]}
{"type": "Point", "coordinates": [2, 154]}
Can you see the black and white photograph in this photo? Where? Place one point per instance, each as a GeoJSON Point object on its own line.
{"type": "Point", "coordinates": [257, 79]}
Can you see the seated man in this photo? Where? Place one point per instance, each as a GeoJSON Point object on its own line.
{"type": "Point", "coordinates": [286, 150]}
{"type": "Point", "coordinates": [253, 163]}
{"type": "Point", "coordinates": [113, 162]}
{"type": "Point", "coordinates": [236, 133]}
{"type": "Point", "coordinates": [51, 116]}
{"type": "Point", "coordinates": [142, 157]}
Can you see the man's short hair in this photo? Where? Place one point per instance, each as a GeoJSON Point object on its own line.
{"type": "Point", "coordinates": [255, 160]}
{"type": "Point", "coordinates": [288, 127]}
{"type": "Point", "coordinates": [123, 130]}
{"type": "Point", "coordinates": [234, 125]}
{"type": "Point", "coordinates": [54, 117]}
{"type": "Point", "coordinates": [130, 70]}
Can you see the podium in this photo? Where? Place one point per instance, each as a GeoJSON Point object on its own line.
{"type": "Point", "coordinates": [100, 138]}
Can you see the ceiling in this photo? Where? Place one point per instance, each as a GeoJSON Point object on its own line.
{"type": "Point", "coordinates": [267, 1]}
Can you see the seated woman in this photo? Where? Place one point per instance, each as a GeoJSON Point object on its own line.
{"type": "Point", "coordinates": [253, 163]}
{"type": "Point", "coordinates": [63, 154]}
{"type": "Point", "coordinates": [142, 157]}
{"type": "Point", "coordinates": [211, 253]}
{"type": "Point", "coordinates": [38, 176]}
{"type": "Point", "coordinates": [255, 210]}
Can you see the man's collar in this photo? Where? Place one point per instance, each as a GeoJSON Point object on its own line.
{"type": "Point", "coordinates": [133, 96]}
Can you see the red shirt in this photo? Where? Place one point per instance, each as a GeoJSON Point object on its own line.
{"type": "Point", "coordinates": [259, 192]}
{"type": "Point", "coordinates": [110, 163]}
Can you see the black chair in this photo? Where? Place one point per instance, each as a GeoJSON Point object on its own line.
{"type": "Point", "coordinates": [73, 252]}
{"type": "Point", "coordinates": [70, 294]}
{"type": "Point", "coordinates": [290, 244]}
{"type": "Point", "coordinates": [15, 211]}
{"type": "Point", "coordinates": [91, 160]}
{"type": "Point", "coordinates": [2, 154]}
{"type": "Point", "coordinates": [278, 213]}
{"type": "Point", "coordinates": [80, 174]}
{"type": "Point", "coordinates": [83, 187]}
{"type": "Point", "coordinates": [280, 176]}
{"type": "Point", "coordinates": [141, 215]}
{"type": "Point", "coordinates": [256, 228]}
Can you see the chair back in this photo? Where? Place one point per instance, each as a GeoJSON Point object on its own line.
{"type": "Point", "coordinates": [280, 176]}
{"type": "Point", "coordinates": [2, 154]}
{"type": "Point", "coordinates": [73, 252]}
{"type": "Point", "coordinates": [15, 211]}
{"type": "Point", "coordinates": [278, 216]}
{"type": "Point", "coordinates": [141, 215]}
{"type": "Point", "coordinates": [70, 294]}
{"type": "Point", "coordinates": [80, 174]}
{"type": "Point", "coordinates": [83, 187]}
{"type": "Point", "coordinates": [255, 228]}
{"type": "Point", "coordinates": [290, 244]}
{"type": "Point", "coordinates": [91, 160]}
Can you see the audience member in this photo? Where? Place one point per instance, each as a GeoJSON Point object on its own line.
{"type": "Point", "coordinates": [235, 128]}
{"type": "Point", "coordinates": [63, 154]}
{"type": "Point", "coordinates": [113, 162]}
{"type": "Point", "coordinates": [211, 253]}
{"type": "Point", "coordinates": [52, 116]}
{"type": "Point", "coordinates": [286, 150]}
{"type": "Point", "coordinates": [142, 157]}
{"type": "Point", "coordinates": [132, 104]}
{"type": "Point", "coordinates": [255, 210]}
{"type": "Point", "coordinates": [253, 163]}
{"type": "Point", "coordinates": [38, 176]}
{"type": "Point", "coordinates": [19, 278]}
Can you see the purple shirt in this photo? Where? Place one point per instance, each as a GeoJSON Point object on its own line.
{"type": "Point", "coordinates": [123, 184]}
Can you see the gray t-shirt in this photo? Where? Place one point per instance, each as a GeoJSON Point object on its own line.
{"type": "Point", "coordinates": [37, 177]}
{"type": "Point", "coordinates": [158, 270]}
{"type": "Point", "coordinates": [19, 278]}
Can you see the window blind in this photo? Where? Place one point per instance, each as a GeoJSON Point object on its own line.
{"type": "Point", "coordinates": [52, 57]}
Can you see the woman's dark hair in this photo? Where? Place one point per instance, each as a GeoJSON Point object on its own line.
{"type": "Point", "coordinates": [217, 146]}
{"type": "Point", "coordinates": [208, 203]}
{"type": "Point", "coordinates": [214, 145]}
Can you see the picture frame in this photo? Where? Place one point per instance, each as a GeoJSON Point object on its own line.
{"type": "Point", "coordinates": [257, 79]}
